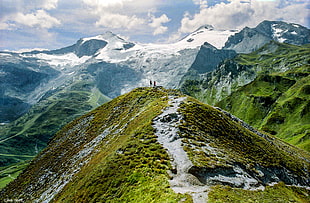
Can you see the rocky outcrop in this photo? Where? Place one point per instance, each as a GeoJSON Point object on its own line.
{"type": "Point", "coordinates": [251, 39]}
{"type": "Point", "coordinates": [208, 58]}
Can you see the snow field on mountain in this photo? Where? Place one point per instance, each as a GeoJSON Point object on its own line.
{"type": "Point", "coordinates": [63, 60]}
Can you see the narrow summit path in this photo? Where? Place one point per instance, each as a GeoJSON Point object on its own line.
{"type": "Point", "coordinates": [166, 125]}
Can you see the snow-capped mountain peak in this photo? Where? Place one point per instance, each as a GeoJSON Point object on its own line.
{"type": "Point", "coordinates": [250, 39]}
{"type": "Point", "coordinates": [107, 36]}
{"type": "Point", "coordinates": [207, 33]}
{"type": "Point", "coordinates": [205, 27]}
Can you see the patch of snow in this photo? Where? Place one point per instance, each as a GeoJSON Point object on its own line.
{"type": "Point", "coordinates": [5, 54]}
{"type": "Point", "coordinates": [62, 61]}
{"type": "Point", "coordinates": [29, 50]}
{"type": "Point", "coordinates": [277, 33]}
{"type": "Point", "coordinates": [217, 38]}
{"type": "Point", "coordinates": [98, 37]}
{"type": "Point", "coordinates": [2, 73]}
{"type": "Point", "coordinates": [294, 33]}
{"type": "Point", "coordinates": [281, 39]}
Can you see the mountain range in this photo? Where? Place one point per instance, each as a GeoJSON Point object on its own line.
{"type": "Point", "coordinates": [62, 84]}
{"type": "Point", "coordinates": [258, 74]}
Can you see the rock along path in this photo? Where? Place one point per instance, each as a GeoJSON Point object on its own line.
{"type": "Point", "coordinates": [166, 125]}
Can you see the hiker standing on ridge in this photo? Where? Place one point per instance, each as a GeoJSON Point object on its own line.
{"type": "Point", "coordinates": [154, 83]}
{"type": "Point", "coordinates": [151, 84]}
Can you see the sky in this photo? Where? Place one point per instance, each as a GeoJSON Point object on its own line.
{"type": "Point", "coordinates": [52, 24]}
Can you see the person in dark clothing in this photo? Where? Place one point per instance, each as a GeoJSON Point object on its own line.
{"type": "Point", "coordinates": [151, 84]}
{"type": "Point", "coordinates": [154, 83]}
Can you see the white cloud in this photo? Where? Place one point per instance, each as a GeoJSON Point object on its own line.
{"type": "Point", "coordinates": [28, 13]}
{"type": "Point", "coordinates": [38, 19]}
{"type": "Point", "coordinates": [29, 38]}
{"type": "Point", "coordinates": [157, 24]}
{"type": "Point", "coordinates": [119, 21]}
{"type": "Point", "coordinates": [113, 14]}
{"type": "Point", "coordinates": [240, 13]}
{"type": "Point", "coordinates": [47, 4]}
{"type": "Point", "coordinates": [202, 3]}
{"type": "Point", "coordinates": [106, 3]}
{"type": "Point", "coordinates": [4, 26]}
{"type": "Point", "coordinates": [127, 14]}
{"type": "Point", "coordinates": [128, 7]}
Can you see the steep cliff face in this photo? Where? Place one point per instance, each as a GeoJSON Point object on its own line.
{"type": "Point", "coordinates": [158, 145]}
{"type": "Point", "coordinates": [209, 57]}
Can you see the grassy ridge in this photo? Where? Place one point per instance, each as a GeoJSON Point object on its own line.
{"type": "Point", "coordinates": [203, 124]}
{"type": "Point", "coordinates": [129, 165]}
{"type": "Point", "coordinates": [129, 162]}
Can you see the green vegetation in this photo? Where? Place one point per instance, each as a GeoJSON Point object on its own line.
{"type": "Point", "coordinates": [277, 99]}
{"type": "Point", "coordinates": [9, 173]}
{"type": "Point", "coordinates": [24, 138]}
{"type": "Point", "coordinates": [132, 166]}
{"type": "Point", "coordinates": [129, 165]}
{"type": "Point", "coordinates": [278, 193]}
{"type": "Point", "coordinates": [276, 104]}
{"type": "Point", "coordinates": [234, 144]}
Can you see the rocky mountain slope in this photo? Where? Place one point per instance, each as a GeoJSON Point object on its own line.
{"type": "Point", "coordinates": [18, 77]}
{"type": "Point", "coordinates": [264, 88]}
{"type": "Point", "coordinates": [156, 144]}
{"type": "Point", "coordinates": [207, 60]}
{"type": "Point", "coordinates": [251, 39]}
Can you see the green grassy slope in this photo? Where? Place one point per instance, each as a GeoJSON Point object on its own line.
{"type": "Point", "coordinates": [236, 145]}
{"type": "Point", "coordinates": [24, 138]}
{"type": "Point", "coordinates": [280, 108]}
{"type": "Point", "coordinates": [129, 165]}
{"type": "Point", "coordinates": [272, 194]}
{"type": "Point", "coordinates": [276, 102]}
{"type": "Point", "coordinates": [9, 173]}
{"type": "Point", "coordinates": [277, 99]}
